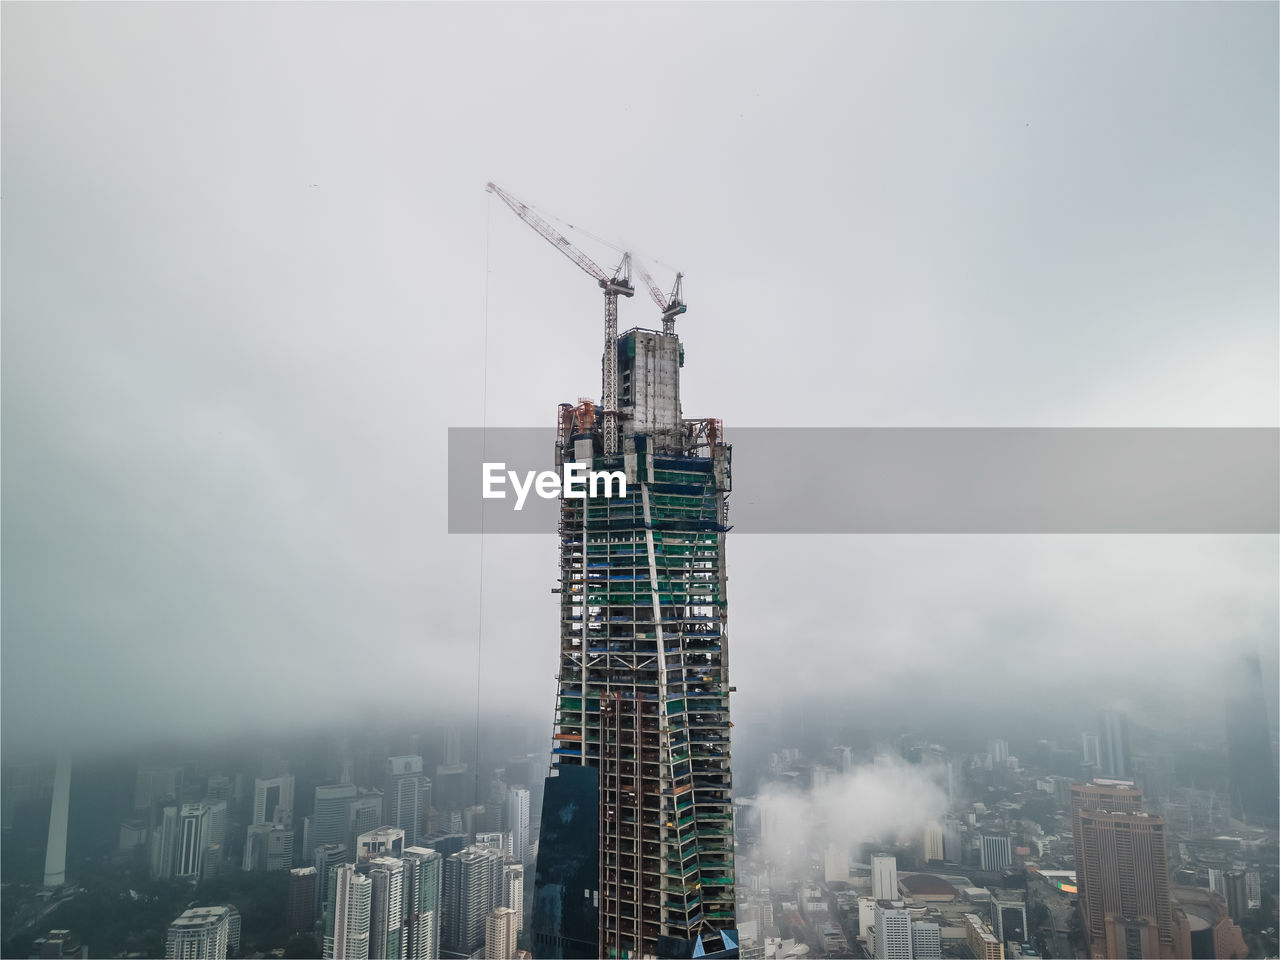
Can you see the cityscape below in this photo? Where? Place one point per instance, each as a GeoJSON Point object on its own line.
{"type": "Point", "coordinates": [847, 843]}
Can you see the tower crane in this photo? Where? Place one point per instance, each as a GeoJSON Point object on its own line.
{"type": "Point", "coordinates": [618, 283]}
{"type": "Point", "coordinates": [671, 306]}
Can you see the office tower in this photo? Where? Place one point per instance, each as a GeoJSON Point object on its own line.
{"type": "Point", "coordinates": [214, 854]}
{"type": "Point", "coordinates": [500, 934]}
{"type": "Point", "coordinates": [893, 931]}
{"type": "Point", "coordinates": [273, 799]}
{"type": "Point", "coordinates": [364, 815]}
{"type": "Point", "coordinates": [268, 846]}
{"type": "Point", "coordinates": [642, 715]}
{"type": "Point", "coordinates": [1236, 893]}
{"type": "Point", "coordinates": [1123, 880]}
{"type": "Point", "coordinates": [1090, 755]}
{"type": "Point", "coordinates": [836, 863]}
{"type": "Point", "coordinates": [999, 751]}
{"type": "Point", "coordinates": [382, 842]}
{"type": "Point", "coordinates": [326, 858]}
{"type": "Point", "coordinates": [518, 822]}
{"type": "Point", "coordinates": [303, 882]}
{"type": "Point", "coordinates": [193, 838]}
{"type": "Point", "coordinates": [329, 817]}
{"type": "Point", "coordinates": [884, 877]}
{"type": "Point", "coordinates": [952, 834]}
{"type": "Point", "coordinates": [472, 887]}
{"type": "Point", "coordinates": [932, 844]}
{"type": "Point", "coordinates": [1255, 794]}
{"type": "Point", "coordinates": [452, 746]}
{"type": "Point", "coordinates": [386, 908]}
{"type": "Point", "coordinates": [926, 940]}
{"type": "Point", "coordinates": [55, 859]}
{"type": "Point", "coordinates": [475, 820]}
{"type": "Point", "coordinates": [996, 852]}
{"type": "Point", "coordinates": [1009, 917]}
{"type": "Point", "coordinates": [219, 787]}
{"type": "Point", "coordinates": [402, 795]}
{"type": "Point", "coordinates": [424, 877]}
{"type": "Point", "coordinates": [217, 814]}
{"type": "Point", "coordinates": [133, 834]}
{"type": "Point", "coordinates": [1114, 759]}
{"type": "Point", "coordinates": [347, 914]}
{"type": "Point", "coordinates": [453, 787]}
{"type": "Point", "coordinates": [156, 784]}
{"type": "Point", "coordinates": [982, 942]}
{"type": "Point", "coordinates": [1217, 882]}
{"type": "Point", "coordinates": [513, 891]}
{"type": "Point", "coordinates": [164, 844]}
{"type": "Point", "coordinates": [201, 933]}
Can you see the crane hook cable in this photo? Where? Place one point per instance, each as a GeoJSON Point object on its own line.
{"type": "Point", "coordinates": [484, 437]}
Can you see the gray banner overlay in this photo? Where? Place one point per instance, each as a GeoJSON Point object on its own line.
{"type": "Point", "coordinates": [935, 480]}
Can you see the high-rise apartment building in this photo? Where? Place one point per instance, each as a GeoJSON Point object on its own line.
{"type": "Point", "coordinates": [1123, 881]}
{"type": "Point", "coordinates": [326, 858]}
{"type": "Point", "coordinates": [893, 930]}
{"type": "Point", "coordinates": [500, 934]}
{"type": "Point", "coordinates": [200, 933]}
{"type": "Point", "coordinates": [472, 888]}
{"type": "Point", "coordinates": [402, 795]}
{"type": "Point", "coordinates": [518, 822]}
{"type": "Point", "coordinates": [884, 877]}
{"type": "Point", "coordinates": [513, 891]}
{"type": "Point", "coordinates": [347, 914]}
{"type": "Point", "coordinates": [982, 943]}
{"type": "Point", "coordinates": [1121, 796]}
{"type": "Point", "coordinates": [926, 940]}
{"type": "Point", "coordinates": [387, 934]}
{"type": "Point", "coordinates": [642, 745]}
{"type": "Point", "coordinates": [424, 878]}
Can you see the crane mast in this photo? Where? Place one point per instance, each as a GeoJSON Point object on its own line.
{"type": "Point", "coordinates": [612, 285]}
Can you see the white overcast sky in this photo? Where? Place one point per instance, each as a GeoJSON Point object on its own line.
{"type": "Point", "coordinates": [247, 257]}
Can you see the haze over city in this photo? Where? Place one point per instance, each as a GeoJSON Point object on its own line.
{"type": "Point", "coordinates": [253, 278]}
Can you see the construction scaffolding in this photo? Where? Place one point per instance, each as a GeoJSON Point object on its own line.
{"type": "Point", "coordinates": [643, 683]}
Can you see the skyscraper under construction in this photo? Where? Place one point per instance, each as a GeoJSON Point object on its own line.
{"type": "Point", "coordinates": [635, 850]}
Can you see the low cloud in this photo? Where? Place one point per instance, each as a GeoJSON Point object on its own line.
{"type": "Point", "coordinates": [888, 799]}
